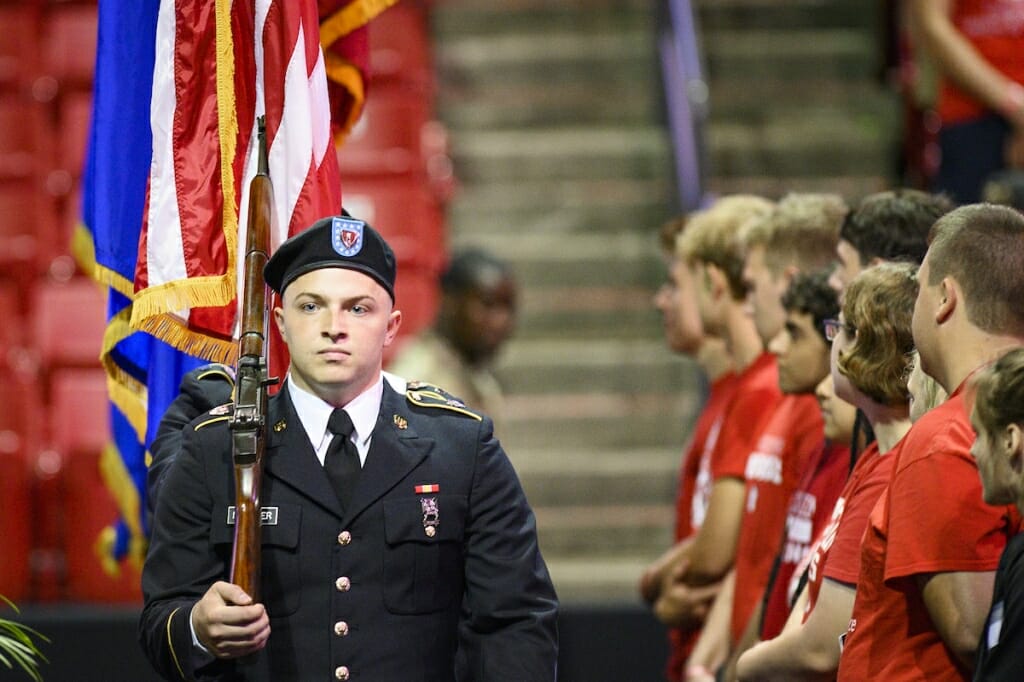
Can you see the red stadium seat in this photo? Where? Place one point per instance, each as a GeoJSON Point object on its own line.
{"type": "Point", "coordinates": [13, 333]}
{"type": "Point", "coordinates": [16, 518]}
{"type": "Point", "coordinates": [75, 115]}
{"type": "Point", "coordinates": [70, 218]}
{"type": "Point", "coordinates": [21, 122]}
{"type": "Point", "coordinates": [26, 225]}
{"type": "Point", "coordinates": [18, 49]}
{"type": "Point", "coordinates": [79, 410]}
{"type": "Point", "coordinates": [388, 138]}
{"type": "Point", "coordinates": [404, 212]}
{"type": "Point", "coordinates": [90, 511]}
{"type": "Point", "coordinates": [69, 319]}
{"type": "Point", "coordinates": [69, 44]}
{"type": "Point", "coordinates": [400, 48]}
{"type": "Point", "coordinates": [417, 295]}
{"type": "Point", "coordinates": [20, 429]}
{"type": "Point", "coordinates": [80, 431]}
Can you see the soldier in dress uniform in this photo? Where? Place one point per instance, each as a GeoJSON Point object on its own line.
{"type": "Point", "coordinates": [401, 549]}
{"type": "Point", "coordinates": [476, 317]}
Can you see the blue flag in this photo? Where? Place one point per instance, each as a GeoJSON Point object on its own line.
{"type": "Point", "coordinates": [143, 372]}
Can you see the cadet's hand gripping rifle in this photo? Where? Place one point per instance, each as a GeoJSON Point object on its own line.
{"type": "Point", "coordinates": [249, 419]}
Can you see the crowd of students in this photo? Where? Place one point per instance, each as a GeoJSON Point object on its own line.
{"type": "Point", "coordinates": [865, 365]}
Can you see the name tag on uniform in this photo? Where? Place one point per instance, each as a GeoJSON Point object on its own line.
{"type": "Point", "coordinates": [268, 516]}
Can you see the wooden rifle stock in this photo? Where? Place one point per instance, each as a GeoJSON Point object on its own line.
{"type": "Point", "coordinates": [249, 419]}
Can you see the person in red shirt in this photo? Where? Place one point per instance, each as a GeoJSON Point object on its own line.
{"type": "Point", "coordinates": [799, 235]}
{"type": "Point", "coordinates": [871, 341]}
{"type": "Point", "coordinates": [931, 547]}
{"type": "Point", "coordinates": [709, 248]}
{"type": "Point", "coordinates": [889, 225]}
{"type": "Point", "coordinates": [802, 349]}
{"type": "Point", "coordinates": [680, 607]}
{"type": "Point", "coordinates": [978, 47]}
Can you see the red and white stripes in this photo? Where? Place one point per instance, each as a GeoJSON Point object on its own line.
{"type": "Point", "coordinates": [218, 66]}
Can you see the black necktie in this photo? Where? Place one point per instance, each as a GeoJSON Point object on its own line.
{"type": "Point", "coordinates": [342, 459]}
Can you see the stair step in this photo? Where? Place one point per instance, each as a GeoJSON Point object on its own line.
{"type": "Point", "coordinates": [544, 460]}
{"type": "Point", "coordinates": [717, 15]}
{"type": "Point", "coordinates": [548, 365]}
{"type": "Point", "coordinates": [619, 528]}
{"type": "Point", "coordinates": [783, 99]}
{"type": "Point", "coordinates": [454, 18]}
{"type": "Point", "coordinates": [580, 314]}
{"type": "Point", "coordinates": [496, 104]}
{"type": "Point", "coordinates": [592, 476]}
{"type": "Point", "coordinates": [591, 153]}
{"type": "Point", "coordinates": [780, 55]}
{"type": "Point", "coordinates": [828, 145]}
{"type": "Point", "coordinates": [598, 579]}
{"type": "Point", "coordinates": [627, 487]}
{"type": "Point", "coordinates": [563, 420]}
{"type": "Point", "coordinates": [545, 260]}
{"type": "Point", "coordinates": [552, 57]}
{"type": "Point", "coordinates": [566, 207]}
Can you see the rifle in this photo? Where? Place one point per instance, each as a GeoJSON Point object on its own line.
{"type": "Point", "coordinates": [249, 419]}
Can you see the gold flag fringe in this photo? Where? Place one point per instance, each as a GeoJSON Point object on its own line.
{"type": "Point", "coordinates": [348, 76]}
{"type": "Point", "coordinates": [126, 496]}
{"type": "Point", "coordinates": [349, 18]}
{"type": "Point", "coordinates": [227, 130]}
{"type": "Point", "coordinates": [171, 330]}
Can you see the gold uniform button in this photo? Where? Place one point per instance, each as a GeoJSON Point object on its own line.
{"type": "Point", "coordinates": [341, 672]}
{"type": "Point", "coordinates": [343, 584]}
{"type": "Point", "coordinates": [344, 537]}
{"type": "Point", "coordinates": [341, 628]}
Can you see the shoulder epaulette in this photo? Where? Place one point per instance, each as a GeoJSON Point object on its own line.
{"type": "Point", "coordinates": [217, 371]}
{"type": "Point", "coordinates": [218, 414]}
{"type": "Point", "coordinates": [428, 395]}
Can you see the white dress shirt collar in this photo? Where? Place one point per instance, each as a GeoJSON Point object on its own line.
{"type": "Point", "coordinates": [314, 412]}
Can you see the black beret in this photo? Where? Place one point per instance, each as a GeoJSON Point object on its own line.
{"type": "Point", "coordinates": [334, 242]}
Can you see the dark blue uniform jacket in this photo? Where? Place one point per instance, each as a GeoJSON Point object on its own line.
{"type": "Point", "coordinates": [372, 591]}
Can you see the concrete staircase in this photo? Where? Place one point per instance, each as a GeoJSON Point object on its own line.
{"type": "Point", "coordinates": [795, 98]}
{"type": "Point", "coordinates": [557, 129]}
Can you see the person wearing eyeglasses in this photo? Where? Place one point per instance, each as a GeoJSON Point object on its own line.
{"type": "Point", "coordinates": [929, 554]}
{"type": "Point", "coordinates": [802, 350]}
{"type": "Point", "coordinates": [871, 341]}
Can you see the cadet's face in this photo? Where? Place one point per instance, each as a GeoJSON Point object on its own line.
{"type": "Point", "coordinates": [847, 267]}
{"type": "Point", "coordinates": [992, 451]}
{"type": "Point", "coordinates": [764, 295]}
{"type": "Point", "coordinates": [802, 354]}
{"type": "Point", "coordinates": [336, 323]}
{"type": "Point", "coordinates": [680, 312]}
{"type": "Point", "coordinates": [837, 414]}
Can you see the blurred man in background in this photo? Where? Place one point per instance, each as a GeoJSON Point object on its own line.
{"type": "Point", "coordinates": [477, 316]}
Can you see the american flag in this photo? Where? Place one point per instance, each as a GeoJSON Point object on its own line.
{"type": "Point", "coordinates": [179, 85]}
{"type": "Point", "coordinates": [219, 66]}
